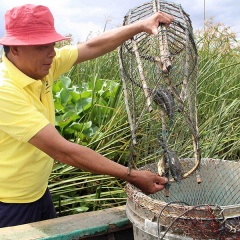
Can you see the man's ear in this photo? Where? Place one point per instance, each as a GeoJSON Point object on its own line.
{"type": "Point", "coordinates": [14, 50]}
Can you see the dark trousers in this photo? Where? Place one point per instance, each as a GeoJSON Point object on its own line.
{"type": "Point", "coordinates": [12, 214]}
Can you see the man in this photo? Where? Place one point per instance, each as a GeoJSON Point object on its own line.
{"type": "Point", "coordinates": [28, 140]}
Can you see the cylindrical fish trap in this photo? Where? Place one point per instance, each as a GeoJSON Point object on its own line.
{"type": "Point", "coordinates": [159, 75]}
{"type": "Point", "coordinates": [210, 210]}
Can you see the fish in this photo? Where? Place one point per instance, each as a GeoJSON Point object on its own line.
{"type": "Point", "coordinates": [161, 167]}
{"type": "Point", "coordinates": [163, 171]}
{"type": "Point", "coordinates": [175, 166]}
{"type": "Point", "coordinates": [164, 99]}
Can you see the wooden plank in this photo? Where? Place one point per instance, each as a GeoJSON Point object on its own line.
{"type": "Point", "coordinates": [78, 226]}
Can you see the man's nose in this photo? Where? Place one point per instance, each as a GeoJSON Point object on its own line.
{"type": "Point", "coordinates": [52, 52]}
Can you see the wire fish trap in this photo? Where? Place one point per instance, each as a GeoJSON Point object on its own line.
{"type": "Point", "coordinates": [159, 76]}
{"type": "Point", "coordinates": [210, 210]}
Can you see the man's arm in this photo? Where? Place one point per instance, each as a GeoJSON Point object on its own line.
{"type": "Point", "coordinates": [52, 143]}
{"type": "Point", "coordinates": [110, 40]}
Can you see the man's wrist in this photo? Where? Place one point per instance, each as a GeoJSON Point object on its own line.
{"type": "Point", "coordinates": [131, 175]}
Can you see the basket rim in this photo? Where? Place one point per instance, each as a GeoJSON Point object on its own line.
{"type": "Point", "coordinates": [138, 197]}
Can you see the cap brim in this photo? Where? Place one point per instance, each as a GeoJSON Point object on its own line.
{"type": "Point", "coordinates": [28, 40]}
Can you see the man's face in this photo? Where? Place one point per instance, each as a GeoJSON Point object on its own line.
{"type": "Point", "coordinates": [35, 61]}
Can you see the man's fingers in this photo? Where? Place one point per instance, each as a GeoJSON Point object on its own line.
{"type": "Point", "coordinates": [166, 19]}
{"type": "Point", "coordinates": [155, 32]}
{"type": "Point", "coordinates": [161, 180]}
{"type": "Point", "coordinates": [158, 187]}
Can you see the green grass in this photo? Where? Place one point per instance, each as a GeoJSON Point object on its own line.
{"type": "Point", "coordinates": [219, 98]}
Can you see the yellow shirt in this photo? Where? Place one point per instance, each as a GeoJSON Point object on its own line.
{"type": "Point", "coordinates": [26, 106]}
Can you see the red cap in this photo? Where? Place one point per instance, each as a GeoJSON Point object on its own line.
{"type": "Point", "coordinates": [29, 25]}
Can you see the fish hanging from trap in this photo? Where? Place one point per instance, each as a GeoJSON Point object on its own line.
{"type": "Point", "coordinates": [159, 76]}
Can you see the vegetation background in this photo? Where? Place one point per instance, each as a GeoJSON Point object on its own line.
{"type": "Point", "coordinates": [90, 110]}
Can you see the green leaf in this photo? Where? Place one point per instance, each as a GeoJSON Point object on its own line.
{"type": "Point", "coordinates": [67, 118]}
{"type": "Point", "coordinates": [58, 119]}
{"type": "Point", "coordinates": [84, 87]}
{"type": "Point", "coordinates": [90, 131]}
{"type": "Point", "coordinates": [71, 115]}
{"type": "Point", "coordinates": [81, 209]}
{"type": "Point", "coordinates": [66, 82]}
{"type": "Point", "coordinates": [76, 126]}
{"type": "Point", "coordinates": [56, 87]}
{"type": "Point", "coordinates": [81, 126]}
{"type": "Point", "coordinates": [99, 85]}
{"type": "Point", "coordinates": [83, 104]}
{"type": "Point", "coordinates": [75, 96]}
{"type": "Point", "coordinates": [86, 94]}
{"type": "Point", "coordinates": [58, 105]}
{"type": "Point", "coordinates": [87, 125]}
{"type": "Point", "coordinates": [64, 96]}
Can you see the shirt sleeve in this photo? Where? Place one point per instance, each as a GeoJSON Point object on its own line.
{"type": "Point", "coordinates": [64, 60]}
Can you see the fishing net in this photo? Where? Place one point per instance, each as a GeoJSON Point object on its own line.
{"type": "Point", "coordinates": [159, 76]}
